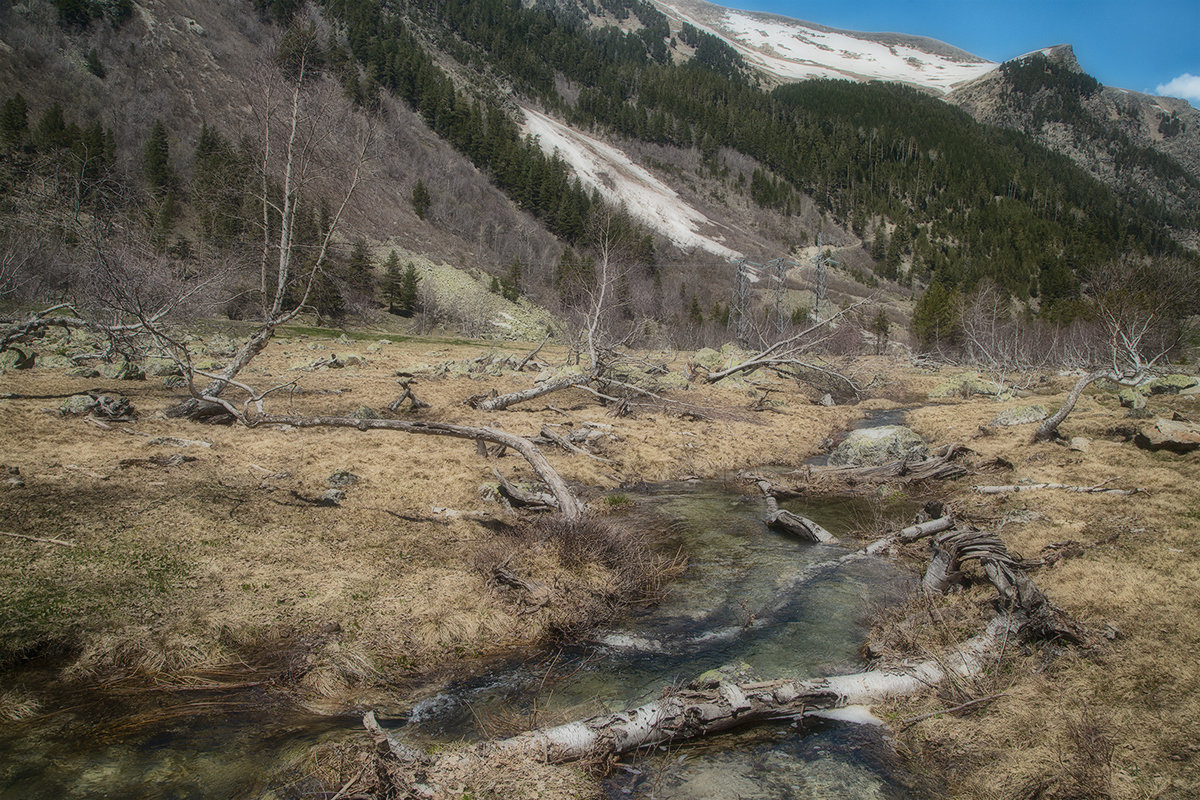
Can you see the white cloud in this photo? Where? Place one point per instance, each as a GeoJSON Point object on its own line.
{"type": "Point", "coordinates": [1186, 86]}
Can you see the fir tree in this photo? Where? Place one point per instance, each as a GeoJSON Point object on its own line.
{"type": "Point", "coordinates": [156, 160]}
{"type": "Point", "coordinates": [409, 287]}
{"type": "Point", "coordinates": [359, 269]}
{"type": "Point", "coordinates": [420, 199]}
{"type": "Point", "coordinates": [392, 281]}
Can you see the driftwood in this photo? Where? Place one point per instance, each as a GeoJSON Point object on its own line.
{"type": "Point", "coordinates": [570, 447]}
{"type": "Point", "coordinates": [798, 526]}
{"type": "Point", "coordinates": [708, 708]}
{"type": "Point", "coordinates": [408, 395]}
{"type": "Point", "coordinates": [1099, 488]}
{"type": "Point", "coordinates": [942, 464]}
{"type": "Point", "coordinates": [520, 497]}
{"type": "Point", "coordinates": [503, 401]}
{"type": "Point", "coordinates": [560, 495]}
{"type": "Point", "coordinates": [1039, 618]}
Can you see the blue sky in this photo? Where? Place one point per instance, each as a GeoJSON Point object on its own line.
{"type": "Point", "coordinates": [1132, 45]}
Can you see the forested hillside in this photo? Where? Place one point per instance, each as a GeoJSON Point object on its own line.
{"type": "Point", "coordinates": [933, 196]}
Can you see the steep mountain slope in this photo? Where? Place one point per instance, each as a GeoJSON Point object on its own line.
{"type": "Point", "coordinates": [1139, 145]}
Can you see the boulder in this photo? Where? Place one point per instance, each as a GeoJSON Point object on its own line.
{"type": "Point", "coordinates": [1021, 415]}
{"type": "Point", "coordinates": [78, 404]}
{"type": "Point", "coordinates": [875, 446]}
{"type": "Point", "coordinates": [1168, 434]}
{"type": "Point", "coordinates": [1170, 384]}
{"type": "Point", "coordinates": [1131, 397]}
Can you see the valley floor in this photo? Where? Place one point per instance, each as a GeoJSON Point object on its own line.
{"type": "Point", "coordinates": [194, 551]}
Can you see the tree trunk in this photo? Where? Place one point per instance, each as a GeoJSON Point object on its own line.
{"type": "Point", "coordinates": [512, 398]}
{"type": "Point", "coordinates": [1049, 427]}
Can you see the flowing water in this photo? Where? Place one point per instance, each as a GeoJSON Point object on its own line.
{"type": "Point", "coordinates": [751, 599]}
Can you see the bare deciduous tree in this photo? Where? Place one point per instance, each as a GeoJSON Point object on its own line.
{"type": "Point", "coordinates": [1140, 310]}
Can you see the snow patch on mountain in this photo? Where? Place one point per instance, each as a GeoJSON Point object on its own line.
{"type": "Point", "coordinates": [605, 168]}
{"type": "Point", "coordinates": [792, 50]}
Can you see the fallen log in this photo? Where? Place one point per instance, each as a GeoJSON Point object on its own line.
{"type": "Point", "coordinates": [1099, 488]}
{"type": "Point", "coordinates": [798, 526]}
{"type": "Point", "coordinates": [1039, 618]}
{"type": "Point", "coordinates": [942, 464]}
{"type": "Point", "coordinates": [503, 401]}
{"type": "Point", "coordinates": [705, 709]}
{"type": "Point", "coordinates": [560, 494]}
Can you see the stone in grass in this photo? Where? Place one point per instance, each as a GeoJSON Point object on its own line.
{"type": "Point", "coordinates": [77, 405]}
{"type": "Point", "coordinates": [1170, 384]}
{"type": "Point", "coordinates": [83, 372]}
{"type": "Point", "coordinates": [1021, 415]}
{"type": "Point", "coordinates": [1131, 398]}
{"type": "Point", "coordinates": [365, 412]}
{"type": "Point", "coordinates": [343, 477]}
{"type": "Point", "coordinates": [965, 385]}
{"type": "Point", "coordinates": [125, 371]}
{"type": "Point", "coordinates": [331, 497]}
{"type": "Point", "coordinates": [870, 447]}
{"type": "Point", "coordinates": [1168, 434]}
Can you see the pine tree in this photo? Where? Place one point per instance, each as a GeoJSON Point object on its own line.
{"type": "Point", "coordinates": [359, 269]}
{"type": "Point", "coordinates": [935, 318]}
{"type": "Point", "coordinates": [392, 281]}
{"type": "Point", "coordinates": [156, 160]}
{"type": "Point", "coordinates": [420, 199]}
{"type": "Point", "coordinates": [409, 287]}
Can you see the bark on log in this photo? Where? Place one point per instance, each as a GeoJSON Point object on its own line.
{"type": "Point", "coordinates": [705, 709]}
{"type": "Point", "coordinates": [942, 464]}
{"type": "Point", "coordinates": [1038, 617]}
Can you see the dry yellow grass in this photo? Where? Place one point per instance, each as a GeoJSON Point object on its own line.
{"type": "Point", "coordinates": [217, 562]}
{"type": "Point", "coordinates": [221, 560]}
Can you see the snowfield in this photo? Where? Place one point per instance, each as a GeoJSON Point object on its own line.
{"type": "Point", "coordinates": [602, 166]}
{"type": "Point", "coordinates": [792, 51]}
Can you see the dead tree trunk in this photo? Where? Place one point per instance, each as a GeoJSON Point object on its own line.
{"type": "Point", "coordinates": [1038, 617]}
{"type": "Point", "coordinates": [1049, 428]}
{"type": "Point", "coordinates": [798, 526]}
{"type": "Point", "coordinates": [501, 402]}
{"type": "Point", "coordinates": [561, 494]}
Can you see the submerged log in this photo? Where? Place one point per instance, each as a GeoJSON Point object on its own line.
{"type": "Point", "coordinates": [798, 526]}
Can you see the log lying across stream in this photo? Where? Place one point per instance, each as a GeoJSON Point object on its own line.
{"type": "Point", "coordinates": [944, 463]}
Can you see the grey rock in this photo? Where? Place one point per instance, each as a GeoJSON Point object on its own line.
{"type": "Point", "coordinates": [343, 477]}
{"type": "Point", "coordinates": [332, 497]}
{"type": "Point", "coordinates": [876, 446]}
{"type": "Point", "coordinates": [78, 404]}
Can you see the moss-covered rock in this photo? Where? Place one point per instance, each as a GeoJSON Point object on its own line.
{"type": "Point", "coordinates": [1170, 384]}
{"type": "Point", "coordinates": [1131, 397]}
{"type": "Point", "coordinates": [875, 446]}
{"type": "Point", "coordinates": [965, 385]}
{"type": "Point", "coordinates": [77, 405]}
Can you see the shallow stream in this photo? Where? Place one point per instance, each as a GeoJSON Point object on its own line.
{"type": "Point", "coordinates": [750, 597]}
